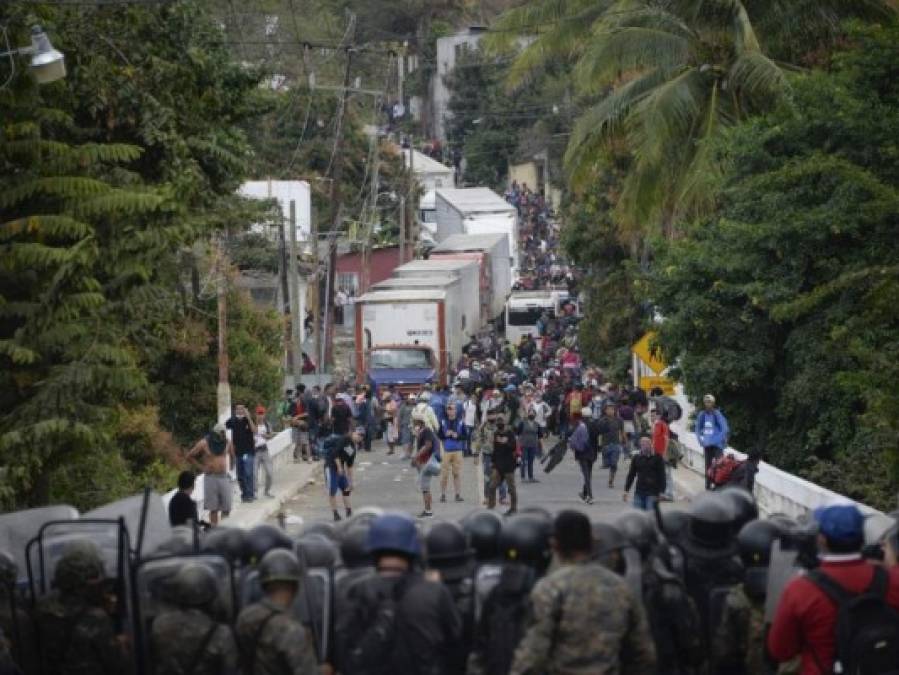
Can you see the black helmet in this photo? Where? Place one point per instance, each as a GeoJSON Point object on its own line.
{"type": "Point", "coordinates": [9, 571]}
{"type": "Point", "coordinates": [194, 585]}
{"type": "Point", "coordinates": [710, 529]}
{"type": "Point", "coordinates": [743, 503]}
{"type": "Point", "coordinates": [326, 529]}
{"type": "Point", "coordinates": [262, 539]}
{"type": "Point", "coordinates": [228, 542]}
{"type": "Point", "coordinates": [674, 522]}
{"type": "Point", "coordinates": [483, 528]}
{"type": "Point", "coordinates": [354, 546]}
{"type": "Point", "coordinates": [525, 538]}
{"type": "Point", "coordinates": [754, 542]}
{"type": "Point", "coordinates": [279, 565]}
{"type": "Point", "coordinates": [607, 538]}
{"type": "Point", "coordinates": [81, 564]}
{"type": "Point", "coordinates": [447, 545]}
{"type": "Point", "coordinates": [316, 550]}
{"type": "Point", "coordinates": [638, 529]}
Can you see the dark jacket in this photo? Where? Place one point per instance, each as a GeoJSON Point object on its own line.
{"type": "Point", "coordinates": [504, 451]}
{"type": "Point", "coordinates": [649, 470]}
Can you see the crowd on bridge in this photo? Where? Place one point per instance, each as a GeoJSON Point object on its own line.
{"type": "Point", "coordinates": [710, 589]}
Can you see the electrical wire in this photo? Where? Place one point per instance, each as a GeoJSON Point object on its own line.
{"type": "Point", "coordinates": [12, 59]}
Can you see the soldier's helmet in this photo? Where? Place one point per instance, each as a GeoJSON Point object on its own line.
{"type": "Point", "coordinates": [607, 538]}
{"type": "Point", "coordinates": [674, 522]}
{"type": "Point", "coordinates": [228, 542]}
{"type": "Point", "coordinates": [9, 571]}
{"type": "Point", "coordinates": [81, 564]}
{"type": "Point", "coordinates": [394, 533]}
{"type": "Point", "coordinates": [743, 503]}
{"type": "Point", "coordinates": [710, 528]}
{"type": "Point", "coordinates": [354, 546]}
{"type": "Point", "coordinates": [279, 565]}
{"type": "Point", "coordinates": [326, 529]}
{"type": "Point", "coordinates": [483, 529]}
{"type": "Point", "coordinates": [639, 530]}
{"type": "Point", "coordinates": [754, 544]}
{"type": "Point", "coordinates": [316, 550]}
{"type": "Point", "coordinates": [194, 585]}
{"type": "Point", "coordinates": [525, 538]}
{"type": "Point", "coordinates": [447, 545]}
{"type": "Point", "coordinates": [262, 539]}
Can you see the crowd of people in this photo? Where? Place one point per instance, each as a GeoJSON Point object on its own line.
{"type": "Point", "coordinates": [711, 589]}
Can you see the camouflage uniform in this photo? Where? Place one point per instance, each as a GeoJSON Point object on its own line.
{"type": "Point", "coordinates": [273, 642]}
{"type": "Point", "coordinates": [585, 622]}
{"type": "Point", "coordinates": [189, 642]}
{"type": "Point", "coordinates": [16, 624]}
{"type": "Point", "coordinates": [77, 636]}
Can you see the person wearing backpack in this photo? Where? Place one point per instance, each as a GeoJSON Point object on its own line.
{"type": "Point", "coordinates": [712, 432]}
{"type": "Point", "coordinates": [842, 617]}
{"type": "Point", "coordinates": [401, 621]}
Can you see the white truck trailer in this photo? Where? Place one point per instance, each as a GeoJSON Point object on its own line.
{"type": "Point", "coordinates": [476, 211]}
{"type": "Point", "coordinates": [524, 308]}
{"type": "Point", "coordinates": [468, 273]}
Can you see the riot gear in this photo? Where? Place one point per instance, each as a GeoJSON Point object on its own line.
{"type": "Point", "coordinates": [673, 523]}
{"type": "Point", "coordinates": [394, 533]}
{"type": "Point", "coordinates": [9, 571]}
{"type": "Point", "coordinates": [354, 546]}
{"type": "Point", "coordinates": [194, 585]}
{"type": "Point", "coordinates": [80, 564]}
{"type": "Point", "coordinates": [228, 542]}
{"type": "Point", "coordinates": [326, 529]}
{"type": "Point", "coordinates": [446, 545]}
{"type": "Point", "coordinates": [710, 528]}
{"type": "Point", "coordinates": [525, 538]}
{"type": "Point", "coordinates": [279, 565]}
{"type": "Point", "coordinates": [483, 530]}
{"type": "Point", "coordinates": [262, 539]}
{"type": "Point", "coordinates": [316, 550]}
{"type": "Point", "coordinates": [754, 543]}
{"type": "Point", "coordinates": [638, 529]}
{"type": "Point", "coordinates": [608, 542]}
{"type": "Point", "coordinates": [743, 503]}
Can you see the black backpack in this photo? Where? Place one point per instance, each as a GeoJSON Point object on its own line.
{"type": "Point", "coordinates": [378, 648]}
{"type": "Point", "coordinates": [505, 615]}
{"type": "Point", "coordinates": [867, 640]}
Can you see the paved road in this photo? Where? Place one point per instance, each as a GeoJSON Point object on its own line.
{"type": "Point", "coordinates": [389, 482]}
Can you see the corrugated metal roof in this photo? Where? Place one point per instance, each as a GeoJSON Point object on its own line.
{"type": "Point", "coordinates": [468, 242]}
{"type": "Point", "coordinates": [475, 200]}
{"type": "Point", "coordinates": [403, 294]}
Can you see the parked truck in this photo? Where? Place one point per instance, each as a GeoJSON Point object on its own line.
{"type": "Point", "coordinates": [408, 336]}
{"type": "Point", "coordinates": [524, 308]}
{"type": "Point", "coordinates": [491, 252]}
{"type": "Point", "coordinates": [468, 273]}
{"type": "Point", "coordinates": [476, 211]}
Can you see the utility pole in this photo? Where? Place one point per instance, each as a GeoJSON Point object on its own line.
{"type": "Point", "coordinates": [316, 296]}
{"type": "Point", "coordinates": [296, 321]}
{"type": "Point", "coordinates": [336, 196]}
{"type": "Point", "coordinates": [223, 391]}
{"type": "Point", "coordinates": [402, 229]}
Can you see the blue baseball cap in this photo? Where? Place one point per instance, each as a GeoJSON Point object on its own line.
{"type": "Point", "coordinates": [841, 523]}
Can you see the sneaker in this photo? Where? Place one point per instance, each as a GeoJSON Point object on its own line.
{"type": "Point", "coordinates": [589, 500]}
{"type": "Point", "coordinates": [611, 484]}
{"type": "Point", "coordinates": [349, 512]}
{"type": "Point", "coordinates": [580, 495]}
{"type": "Point", "coordinates": [337, 517]}
{"type": "Point", "coordinates": [443, 499]}
{"type": "Point", "coordinates": [535, 480]}
{"type": "Point", "coordinates": [425, 514]}
{"type": "Point", "coordinates": [459, 498]}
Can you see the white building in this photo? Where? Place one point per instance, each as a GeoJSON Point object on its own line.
{"type": "Point", "coordinates": [284, 192]}
{"type": "Point", "coordinates": [448, 50]}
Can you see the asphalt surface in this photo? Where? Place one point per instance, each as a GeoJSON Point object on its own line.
{"type": "Point", "coordinates": [389, 482]}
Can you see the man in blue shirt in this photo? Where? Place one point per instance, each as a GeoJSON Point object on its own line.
{"type": "Point", "coordinates": [712, 432]}
{"type": "Point", "coordinates": [452, 433]}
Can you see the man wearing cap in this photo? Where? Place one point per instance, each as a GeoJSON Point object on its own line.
{"type": "Point", "coordinates": [215, 449]}
{"type": "Point", "coordinates": [262, 457]}
{"type": "Point", "coordinates": [243, 430]}
{"type": "Point", "coordinates": [806, 619]}
{"type": "Point", "coordinates": [611, 438]}
{"type": "Point", "coordinates": [711, 432]}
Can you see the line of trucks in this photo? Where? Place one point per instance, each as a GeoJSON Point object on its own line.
{"type": "Point", "coordinates": [410, 329]}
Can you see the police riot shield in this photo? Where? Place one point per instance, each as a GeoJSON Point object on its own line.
{"type": "Point", "coordinates": [145, 518]}
{"type": "Point", "coordinates": [633, 571]}
{"type": "Point", "coordinates": [486, 577]}
{"type": "Point", "coordinates": [314, 605]}
{"type": "Point", "coordinates": [783, 567]}
{"type": "Point", "coordinates": [17, 529]}
{"type": "Point", "coordinates": [153, 595]}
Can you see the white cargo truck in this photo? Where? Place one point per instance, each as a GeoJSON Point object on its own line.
{"type": "Point", "coordinates": [468, 273]}
{"type": "Point", "coordinates": [491, 252]}
{"type": "Point", "coordinates": [525, 307]}
{"type": "Point", "coordinates": [476, 211]}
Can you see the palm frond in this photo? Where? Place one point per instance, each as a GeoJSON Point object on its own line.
{"type": "Point", "coordinates": [624, 50]}
{"type": "Point", "coordinates": [758, 78]}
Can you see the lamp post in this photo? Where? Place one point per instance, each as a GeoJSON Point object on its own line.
{"type": "Point", "coordinates": [47, 64]}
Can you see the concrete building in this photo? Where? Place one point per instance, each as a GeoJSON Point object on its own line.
{"type": "Point", "coordinates": [535, 173]}
{"type": "Point", "coordinates": [349, 268]}
{"type": "Point", "coordinates": [448, 50]}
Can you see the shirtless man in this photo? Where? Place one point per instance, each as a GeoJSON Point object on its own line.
{"type": "Point", "coordinates": [215, 449]}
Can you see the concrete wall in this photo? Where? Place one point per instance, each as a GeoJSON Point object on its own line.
{"type": "Point", "coordinates": [446, 61]}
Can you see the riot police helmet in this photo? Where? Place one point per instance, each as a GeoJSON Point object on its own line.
{"type": "Point", "coordinates": [228, 542]}
{"type": "Point", "coordinates": [446, 545]}
{"type": "Point", "coordinates": [316, 550]}
{"type": "Point", "coordinates": [674, 522]}
{"type": "Point", "coordinates": [262, 539]}
{"type": "Point", "coordinates": [709, 531]}
{"type": "Point", "coordinates": [743, 503]}
{"type": "Point", "coordinates": [754, 543]}
{"type": "Point", "coordinates": [326, 529]}
{"type": "Point", "coordinates": [607, 538]}
{"type": "Point", "coordinates": [394, 533]}
{"type": "Point", "coordinates": [638, 529]}
{"type": "Point", "coordinates": [525, 538]}
{"type": "Point", "coordinates": [483, 530]}
{"type": "Point", "coordinates": [279, 565]}
{"type": "Point", "coordinates": [80, 564]}
{"type": "Point", "coordinates": [354, 546]}
{"type": "Point", "coordinates": [194, 585]}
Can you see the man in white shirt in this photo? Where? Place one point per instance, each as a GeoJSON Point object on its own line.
{"type": "Point", "coordinates": [263, 458]}
{"type": "Point", "coordinates": [470, 416]}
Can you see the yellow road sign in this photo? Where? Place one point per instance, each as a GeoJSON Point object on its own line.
{"type": "Point", "coordinates": [649, 383]}
{"type": "Point", "coordinates": [642, 348]}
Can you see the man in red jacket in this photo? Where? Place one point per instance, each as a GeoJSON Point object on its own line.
{"type": "Point", "coordinates": [805, 621]}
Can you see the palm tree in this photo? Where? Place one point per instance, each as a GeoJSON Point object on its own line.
{"type": "Point", "coordinates": [666, 77]}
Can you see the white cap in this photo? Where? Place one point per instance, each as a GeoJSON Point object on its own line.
{"type": "Point", "coordinates": [708, 398]}
{"type": "Point", "coordinates": [586, 411]}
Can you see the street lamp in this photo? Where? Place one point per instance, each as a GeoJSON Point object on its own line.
{"type": "Point", "coordinates": [47, 64]}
